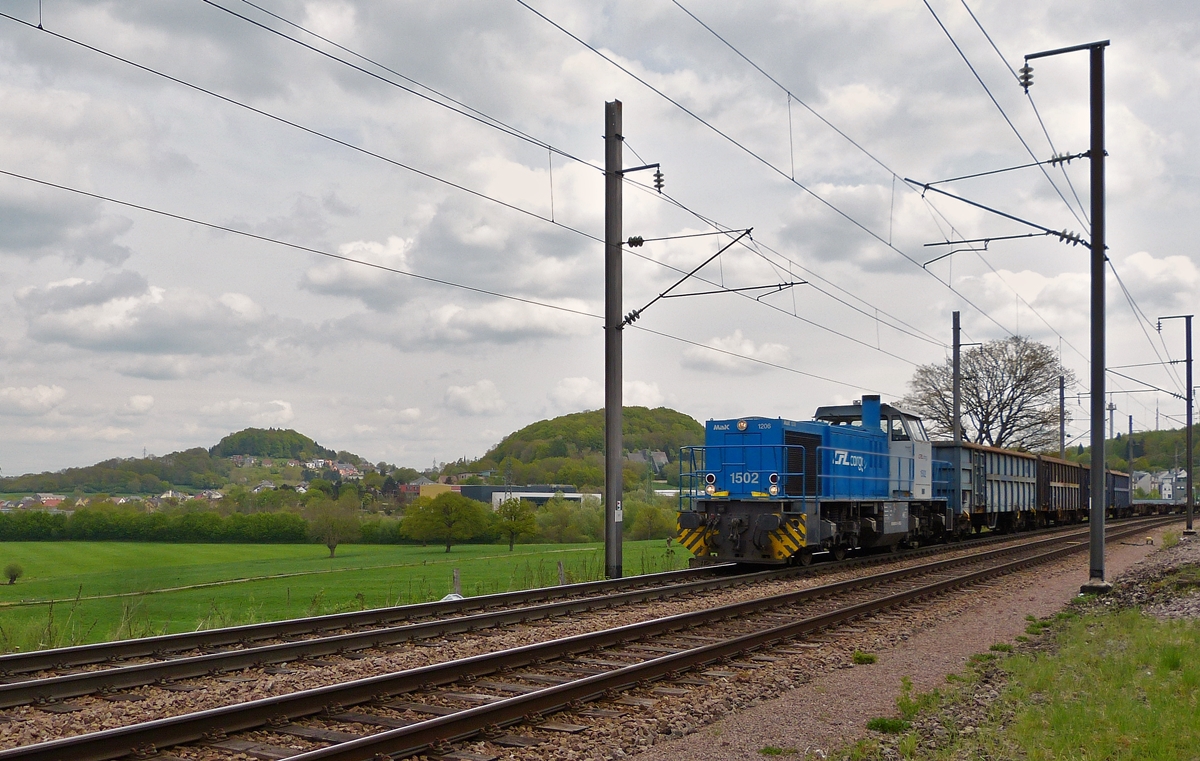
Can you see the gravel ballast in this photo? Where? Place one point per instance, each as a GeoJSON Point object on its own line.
{"type": "Point", "coordinates": [833, 707]}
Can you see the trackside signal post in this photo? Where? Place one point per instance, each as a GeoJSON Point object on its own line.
{"type": "Point", "coordinates": [613, 443]}
{"type": "Point", "coordinates": [1096, 582]}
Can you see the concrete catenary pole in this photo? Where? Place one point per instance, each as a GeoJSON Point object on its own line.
{"type": "Point", "coordinates": [1129, 456]}
{"type": "Point", "coordinates": [1096, 582]}
{"type": "Point", "coordinates": [1062, 417]}
{"type": "Point", "coordinates": [956, 423]}
{"type": "Point", "coordinates": [1188, 396]}
{"type": "Point", "coordinates": [613, 444]}
{"type": "Point", "coordinates": [1191, 496]}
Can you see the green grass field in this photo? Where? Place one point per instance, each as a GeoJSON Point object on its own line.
{"type": "Point", "coordinates": [78, 592]}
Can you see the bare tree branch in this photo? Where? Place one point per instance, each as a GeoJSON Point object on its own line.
{"type": "Point", "coordinates": [1009, 394]}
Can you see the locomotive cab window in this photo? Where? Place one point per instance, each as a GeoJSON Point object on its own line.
{"type": "Point", "coordinates": [917, 428]}
{"type": "Point", "coordinates": [899, 433]}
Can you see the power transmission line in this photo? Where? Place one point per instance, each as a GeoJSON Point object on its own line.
{"type": "Point", "coordinates": [1003, 113]}
{"type": "Point", "coordinates": [428, 175]}
{"type": "Point", "coordinates": [878, 161]}
{"type": "Point", "coordinates": [758, 157]}
{"type": "Point", "coordinates": [405, 273]}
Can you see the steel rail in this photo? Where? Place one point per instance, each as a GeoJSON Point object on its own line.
{"type": "Point", "coordinates": [419, 737]}
{"type": "Point", "coordinates": [55, 688]}
{"type": "Point", "coordinates": [213, 723]}
{"type": "Point", "coordinates": [82, 655]}
{"type": "Point", "coordinates": [163, 645]}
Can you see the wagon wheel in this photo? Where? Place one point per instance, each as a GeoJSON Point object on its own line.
{"type": "Point", "coordinates": [839, 552]}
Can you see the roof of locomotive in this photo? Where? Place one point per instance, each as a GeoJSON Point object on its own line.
{"type": "Point", "coordinates": [845, 413]}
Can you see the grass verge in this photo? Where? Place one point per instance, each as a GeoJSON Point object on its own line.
{"type": "Point", "coordinates": [1100, 685]}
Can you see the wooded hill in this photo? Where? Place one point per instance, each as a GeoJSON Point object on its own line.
{"type": "Point", "coordinates": [1152, 450]}
{"type": "Point", "coordinates": [196, 468]}
{"type": "Point", "coordinates": [570, 449]}
{"type": "Point", "coordinates": [281, 443]}
{"type": "Point", "coordinates": [565, 450]}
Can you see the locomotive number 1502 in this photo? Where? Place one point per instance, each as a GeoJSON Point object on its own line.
{"type": "Point", "coordinates": [743, 478]}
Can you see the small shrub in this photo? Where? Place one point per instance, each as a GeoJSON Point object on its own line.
{"type": "Point", "coordinates": [1021, 638]}
{"type": "Point", "coordinates": [1170, 539]}
{"type": "Point", "coordinates": [13, 571]}
{"type": "Point", "coordinates": [888, 725]}
{"type": "Point", "coordinates": [771, 750]}
{"type": "Point", "coordinates": [862, 659]}
{"type": "Point", "coordinates": [982, 657]}
{"type": "Point", "coordinates": [907, 746]}
{"type": "Point", "coordinates": [1001, 647]}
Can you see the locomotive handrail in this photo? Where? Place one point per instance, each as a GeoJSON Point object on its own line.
{"type": "Point", "coordinates": [695, 467]}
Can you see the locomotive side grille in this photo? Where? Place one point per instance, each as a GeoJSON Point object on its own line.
{"type": "Point", "coordinates": [802, 463]}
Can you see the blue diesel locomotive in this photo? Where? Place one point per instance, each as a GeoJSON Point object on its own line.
{"type": "Point", "coordinates": [865, 475]}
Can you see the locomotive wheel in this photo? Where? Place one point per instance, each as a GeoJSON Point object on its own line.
{"type": "Point", "coordinates": [805, 557]}
{"type": "Point", "coordinates": [839, 552]}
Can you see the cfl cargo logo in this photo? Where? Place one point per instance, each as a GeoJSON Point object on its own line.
{"type": "Point", "coordinates": [842, 457]}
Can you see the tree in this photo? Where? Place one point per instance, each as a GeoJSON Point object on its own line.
{"type": "Point", "coordinates": [332, 523]}
{"type": "Point", "coordinates": [558, 521]}
{"type": "Point", "coordinates": [514, 519]}
{"type": "Point", "coordinates": [13, 571]}
{"type": "Point", "coordinates": [446, 518]}
{"type": "Point", "coordinates": [1009, 394]}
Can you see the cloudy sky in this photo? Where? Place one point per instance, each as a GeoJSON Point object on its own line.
{"type": "Point", "coordinates": [126, 331]}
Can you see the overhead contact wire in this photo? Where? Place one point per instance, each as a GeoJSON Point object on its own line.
{"type": "Point", "coordinates": [828, 204]}
{"type": "Point", "coordinates": [405, 273]}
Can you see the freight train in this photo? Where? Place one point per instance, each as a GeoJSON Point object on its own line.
{"type": "Point", "coordinates": [770, 491]}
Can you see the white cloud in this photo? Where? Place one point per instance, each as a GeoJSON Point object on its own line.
{"type": "Point", "coordinates": [71, 433]}
{"type": "Point", "coordinates": [642, 394]}
{"type": "Point", "coordinates": [577, 394]}
{"type": "Point", "coordinates": [273, 413]}
{"type": "Point", "coordinates": [123, 312]}
{"type": "Point", "coordinates": [140, 404]}
{"type": "Point", "coordinates": [480, 398]}
{"type": "Point", "coordinates": [735, 343]}
{"type": "Point", "coordinates": [30, 400]}
{"type": "Point", "coordinates": [376, 288]}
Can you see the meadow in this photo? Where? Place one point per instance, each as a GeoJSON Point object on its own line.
{"type": "Point", "coordinates": [80, 592]}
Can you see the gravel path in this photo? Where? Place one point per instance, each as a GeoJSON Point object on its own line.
{"type": "Point", "coordinates": [833, 706]}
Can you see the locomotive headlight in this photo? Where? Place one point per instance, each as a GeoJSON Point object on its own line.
{"type": "Point", "coordinates": [773, 490]}
{"type": "Point", "coordinates": [710, 478]}
{"type": "Point", "coordinates": [710, 489]}
{"type": "Point", "coordinates": [773, 478]}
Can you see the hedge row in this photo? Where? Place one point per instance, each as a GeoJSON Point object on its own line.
{"type": "Point", "coordinates": [124, 525]}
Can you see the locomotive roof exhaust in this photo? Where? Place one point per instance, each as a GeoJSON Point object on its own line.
{"type": "Point", "coordinates": [870, 411]}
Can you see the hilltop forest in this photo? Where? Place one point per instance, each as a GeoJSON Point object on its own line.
{"type": "Point", "coordinates": [563, 450]}
{"type": "Point", "coordinates": [1152, 450]}
{"type": "Point", "coordinates": [270, 442]}
{"type": "Point", "coordinates": [196, 468]}
{"type": "Point", "coordinates": [570, 449]}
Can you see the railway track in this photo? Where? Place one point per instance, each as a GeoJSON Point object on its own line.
{"type": "Point", "coordinates": [432, 706]}
{"type": "Point", "coordinates": [46, 677]}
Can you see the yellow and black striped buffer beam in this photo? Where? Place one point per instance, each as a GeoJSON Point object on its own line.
{"type": "Point", "coordinates": [695, 540]}
{"type": "Point", "coordinates": [791, 535]}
